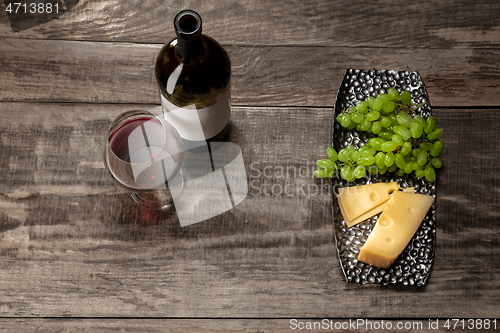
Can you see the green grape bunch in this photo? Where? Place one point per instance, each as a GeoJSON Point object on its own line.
{"type": "Point", "coordinates": [400, 140]}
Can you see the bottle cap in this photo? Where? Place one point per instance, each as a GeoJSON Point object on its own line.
{"type": "Point", "coordinates": [187, 25]}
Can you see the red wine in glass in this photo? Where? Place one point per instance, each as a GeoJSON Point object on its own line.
{"type": "Point", "coordinates": [143, 154]}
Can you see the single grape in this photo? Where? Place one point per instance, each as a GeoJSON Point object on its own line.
{"type": "Point", "coordinates": [351, 148]}
{"type": "Point", "coordinates": [388, 107]}
{"type": "Point", "coordinates": [331, 172]}
{"type": "Point", "coordinates": [380, 159]}
{"type": "Point", "coordinates": [393, 94]}
{"type": "Point", "coordinates": [324, 163]}
{"type": "Point", "coordinates": [386, 135]}
{"type": "Point", "coordinates": [320, 173]}
{"type": "Point", "coordinates": [383, 97]}
{"type": "Point", "coordinates": [405, 148]}
{"type": "Point", "coordinates": [357, 117]}
{"type": "Point", "coordinates": [351, 126]}
{"type": "Point", "coordinates": [332, 154]}
{"type": "Point", "coordinates": [414, 165]}
{"type": "Point", "coordinates": [340, 116]}
{"type": "Point", "coordinates": [389, 159]}
{"type": "Point", "coordinates": [398, 139]}
{"type": "Point", "coordinates": [376, 127]}
{"type": "Point", "coordinates": [364, 148]}
{"type": "Point", "coordinates": [344, 155]}
{"type": "Point", "coordinates": [416, 129]}
{"type": "Point", "coordinates": [436, 134]}
{"type": "Point", "coordinates": [368, 152]}
{"type": "Point", "coordinates": [365, 125]}
{"type": "Point", "coordinates": [345, 120]}
{"type": "Point", "coordinates": [370, 101]}
{"type": "Point", "coordinates": [430, 174]}
{"type": "Point", "coordinates": [408, 168]}
{"type": "Point", "coordinates": [400, 161]}
{"type": "Point", "coordinates": [355, 156]}
{"type": "Point", "coordinates": [385, 122]}
{"type": "Point", "coordinates": [430, 123]}
{"type": "Point", "coordinates": [436, 162]}
{"type": "Point", "coordinates": [347, 173]}
{"type": "Point", "coordinates": [422, 158]}
{"type": "Point", "coordinates": [361, 107]}
{"type": "Point", "coordinates": [369, 160]}
{"type": "Point", "coordinates": [420, 119]}
{"type": "Point", "coordinates": [404, 119]}
{"type": "Point", "coordinates": [427, 146]}
{"type": "Point", "coordinates": [359, 172]}
{"type": "Point", "coordinates": [377, 105]}
{"type": "Point", "coordinates": [389, 146]}
{"type": "Point", "coordinates": [401, 172]}
{"type": "Point", "coordinates": [373, 115]}
{"type": "Point", "coordinates": [420, 173]}
{"type": "Point", "coordinates": [403, 132]}
{"type": "Point", "coordinates": [406, 97]}
{"type": "Point", "coordinates": [436, 148]}
{"type": "Point", "coordinates": [416, 151]}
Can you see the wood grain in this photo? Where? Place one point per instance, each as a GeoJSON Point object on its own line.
{"type": "Point", "coordinates": [73, 244]}
{"type": "Point", "coordinates": [90, 72]}
{"type": "Point", "coordinates": [158, 325]}
{"type": "Point", "coordinates": [431, 24]}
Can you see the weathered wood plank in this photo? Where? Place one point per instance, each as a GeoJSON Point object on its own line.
{"type": "Point", "coordinates": [69, 71]}
{"type": "Point", "coordinates": [64, 325]}
{"type": "Point", "coordinates": [432, 24]}
{"type": "Point", "coordinates": [73, 244]}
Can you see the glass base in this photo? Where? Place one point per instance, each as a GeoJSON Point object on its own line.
{"type": "Point", "coordinates": [160, 199]}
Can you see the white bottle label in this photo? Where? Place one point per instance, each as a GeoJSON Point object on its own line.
{"type": "Point", "coordinates": [201, 124]}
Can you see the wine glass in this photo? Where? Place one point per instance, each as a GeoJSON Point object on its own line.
{"type": "Point", "coordinates": [143, 154]}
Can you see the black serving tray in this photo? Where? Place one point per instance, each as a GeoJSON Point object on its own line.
{"type": "Point", "coordinates": [414, 264]}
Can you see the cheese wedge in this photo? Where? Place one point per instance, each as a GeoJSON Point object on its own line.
{"type": "Point", "coordinates": [357, 203]}
{"type": "Point", "coordinates": [395, 227]}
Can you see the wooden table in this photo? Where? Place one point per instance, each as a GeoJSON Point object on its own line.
{"type": "Point", "coordinates": [77, 254]}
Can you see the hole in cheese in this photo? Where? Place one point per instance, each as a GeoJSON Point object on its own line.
{"type": "Point", "coordinates": [374, 197]}
{"type": "Point", "coordinates": [389, 240]}
{"type": "Point", "coordinates": [385, 221]}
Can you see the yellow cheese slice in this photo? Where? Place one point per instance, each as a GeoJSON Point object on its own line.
{"type": "Point", "coordinates": [395, 227]}
{"type": "Point", "coordinates": [374, 211]}
{"type": "Point", "coordinates": [356, 201]}
{"type": "Point", "coordinates": [367, 215]}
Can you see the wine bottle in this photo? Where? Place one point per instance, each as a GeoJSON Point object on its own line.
{"type": "Point", "coordinates": [193, 74]}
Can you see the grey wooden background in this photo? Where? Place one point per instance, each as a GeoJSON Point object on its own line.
{"type": "Point", "coordinates": [77, 255]}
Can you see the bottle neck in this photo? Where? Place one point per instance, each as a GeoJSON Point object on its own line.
{"type": "Point", "coordinates": [188, 27]}
{"type": "Point", "coordinates": [190, 49]}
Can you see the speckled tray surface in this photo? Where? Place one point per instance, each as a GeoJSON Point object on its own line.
{"type": "Point", "coordinates": [414, 264]}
